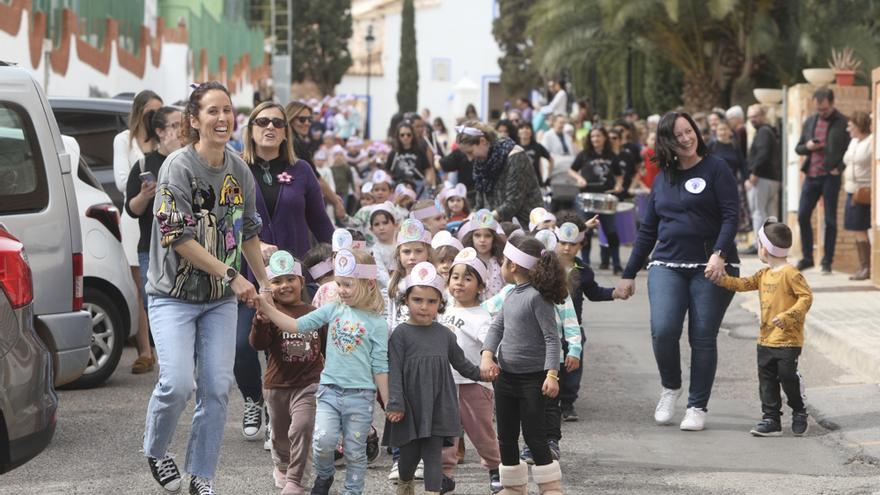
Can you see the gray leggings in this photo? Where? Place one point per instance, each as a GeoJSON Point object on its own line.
{"type": "Point", "coordinates": [431, 451]}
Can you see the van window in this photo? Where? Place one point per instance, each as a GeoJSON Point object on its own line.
{"type": "Point", "coordinates": [94, 132]}
{"type": "Point", "coordinates": [23, 185]}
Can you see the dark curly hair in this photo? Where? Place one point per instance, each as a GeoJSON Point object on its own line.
{"type": "Point", "coordinates": [570, 216]}
{"type": "Point", "coordinates": [401, 300]}
{"type": "Point", "coordinates": [548, 276]}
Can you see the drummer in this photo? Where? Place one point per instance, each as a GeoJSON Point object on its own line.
{"type": "Point", "coordinates": [597, 169]}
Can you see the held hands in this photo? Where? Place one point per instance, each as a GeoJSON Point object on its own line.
{"type": "Point", "coordinates": [572, 363]}
{"type": "Point", "coordinates": [244, 290]}
{"type": "Point", "coordinates": [488, 369]}
{"type": "Point", "coordinates": [625, 289]}
{"type": "Point", "coordinates": [550, 387]}
{"type": "Point", "coordinates": [394, 417]}
{"type": "Point", "coordinates": [593, 222]}
{"type": "Point", "coordinates": [714, 269]}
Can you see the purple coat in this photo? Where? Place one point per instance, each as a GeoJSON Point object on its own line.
{"type": "Point", "coordinates": [299, 209]}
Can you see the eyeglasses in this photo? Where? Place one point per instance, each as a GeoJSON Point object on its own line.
{"type": "Point", "coordinates": [405, 134]}
{"type": "Point", "coordinates": [265, 121]}
{"type": "Point", "coordinates": [303, 120]}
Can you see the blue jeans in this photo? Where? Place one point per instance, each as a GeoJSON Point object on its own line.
{"type": "Point", "coordinates": [346, 413]}
{"type": "Point", "coordinates": [826, 187]}
{"type": "Point", "coordinates": [192, 340]}
{"type": "Point", "coordinates": [248, 374]}
{"type": "Point", "coordinates": [144, 265]}
{"type": "Point", "coordinates": [674, 293]}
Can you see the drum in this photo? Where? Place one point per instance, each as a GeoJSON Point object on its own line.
{"type": "Point", "coordinates": [625, 221]}
{"type": "Point", "coordinates": [598, 203]}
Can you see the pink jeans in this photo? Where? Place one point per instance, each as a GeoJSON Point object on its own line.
{"type": "Point", "coordinates": [475, 406]}
{"type": "Point", "coordinates": [291, 410]}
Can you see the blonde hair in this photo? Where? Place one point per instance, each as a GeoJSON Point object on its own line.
{"type": "Point", "coordinates": [249, 152]}
{"type": "Point", "coordinates": [488, 133]}
{"type": "Point", "coordinates": [366, 298]}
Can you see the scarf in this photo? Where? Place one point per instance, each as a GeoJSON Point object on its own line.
{"type": "Point", "coordinates": [486, 172]}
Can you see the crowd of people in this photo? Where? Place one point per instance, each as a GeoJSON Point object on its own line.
{"type": "Point", "coordinates": [443, 274]}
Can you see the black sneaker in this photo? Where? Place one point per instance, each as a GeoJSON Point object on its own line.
{"type": "Point", "coordinates": [495, 485]}
{"type": "Point", "coordinates": [321, 486]}
{"type": "Point", "coordinates": [569, 414]}
{"type": "Point", "coordinates": [372, 445]}
{"type": "Point", "coordinates": [165, 473]}
{"type": "Point", "coordinates": [799, 424]}
{"type": "Point", "coordinates": [447, 485]}
{"type": "Point", "coordinates": [554, 449]}
{"type": "Point", "coordinates": [526, 455]}
{"type": "Point", "coordinates": [604, 266]}
{"type": "Point", "coordinates": [252, 421]}
{"type": "Point", "coordinates": [200, 486]}
{"type": "Point", "coordinates": [826, 269]}
{"type": "Point", "coordinates": [804, 264]}
{"type": "Point", "coordinates": [768, 427]}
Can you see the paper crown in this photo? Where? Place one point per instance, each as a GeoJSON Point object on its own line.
{"type": "Point", "coordinates": [547, 238]}
{"type": "Point", "coordinates": [381, 176]}
{"type": "Point", "coordinates": [468, 256]}
{"type": "Point", "coordinates": [346, 265]}
{"type": "Point", "coordinates": [569, 232]}
{"type": "Point", "coordinates": [424, 274]}
{"type": "Point", "coordinates": [444, 238]}
{"type": "Point", "coordinates": [405, 191]}
{"type": "Point", "coordinates": [342, 239]}
{"type": "Point", "coordinates": [538, 216]}
{"type": "Point", "coordinates": [282, 263]}
{"type": "Point", "coordinates": [412, 230]}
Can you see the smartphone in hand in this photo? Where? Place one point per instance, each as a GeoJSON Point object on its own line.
{"type": "Point", "coordinates": [147, 177]}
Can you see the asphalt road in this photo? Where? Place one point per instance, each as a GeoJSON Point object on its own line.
{"type": "Point", "coordinates": [614, 449]}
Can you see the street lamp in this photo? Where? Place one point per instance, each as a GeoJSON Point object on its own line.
{"type": "Point", "coordinates": [369, 39]}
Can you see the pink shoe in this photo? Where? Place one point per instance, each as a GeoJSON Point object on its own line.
{"type": "Point", "coordinates": [292, 488]}
{"type": "Point", "coordinates": [280, 478]}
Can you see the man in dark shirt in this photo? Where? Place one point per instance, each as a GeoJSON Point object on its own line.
{"type": "Point", "coordinates": [765, 171]}
{"type": "Point", "coordinates": [823, 142]}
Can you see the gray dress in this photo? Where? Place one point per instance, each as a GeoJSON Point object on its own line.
{"type": "Point", "coordinates": [421, 384]}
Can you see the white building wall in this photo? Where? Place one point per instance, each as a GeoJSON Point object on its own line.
{"type": "Point", "coordinates": [458, 31]}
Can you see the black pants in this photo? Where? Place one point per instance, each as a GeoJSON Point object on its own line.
{"type": "Point", "coordinates": [826, 187]}
{"type": "Point", "coordinates": [429, 450]}
{"type": "Point", "coordinates": [778, 366]}
{"type": "Point", "coordinates": [570, 382]}
{"type": "Point", "coordinates": [520, 403]}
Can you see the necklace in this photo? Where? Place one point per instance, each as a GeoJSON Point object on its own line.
{"type": "Point", "coordinates": [267, 177]}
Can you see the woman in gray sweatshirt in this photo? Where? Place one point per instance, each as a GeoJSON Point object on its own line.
{"type": "Point", "coordinates": [527, 322]}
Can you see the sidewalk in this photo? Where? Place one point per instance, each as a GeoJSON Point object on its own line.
{"type": "Point", "coordinates": [844, 324]}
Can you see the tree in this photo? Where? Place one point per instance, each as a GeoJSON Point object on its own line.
{"type": "Point", "coordinates": [408, 68]}
{"type": "Point", "coordinates": [321, 30]}
{"type": "Point", "coordinates": [518, 73]}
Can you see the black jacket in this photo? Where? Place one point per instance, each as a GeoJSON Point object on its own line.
{"type": "Point", "coordinates": [765, 155]}
{"type": "Point", "coordinates": [835, 145]}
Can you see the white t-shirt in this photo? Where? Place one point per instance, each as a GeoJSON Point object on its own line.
{"type": "Point", "coordinates": [470, 326]}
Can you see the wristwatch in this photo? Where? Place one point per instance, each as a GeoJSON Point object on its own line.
{"type": "Point", "coordinates": [720, 254]}
{"type": "Point", "coordinates": [230, 275]}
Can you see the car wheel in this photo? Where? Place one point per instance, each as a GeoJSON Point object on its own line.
{"type": "Point", "coordinates": [108, 339]}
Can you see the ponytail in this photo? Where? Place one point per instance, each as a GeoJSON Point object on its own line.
{"type": "Point", "coordinates": [547, 276]}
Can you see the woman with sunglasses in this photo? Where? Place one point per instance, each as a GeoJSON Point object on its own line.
{"type": "Point", "coordinates": [290, 203]}
{"type": "Point", "coordinates": [409, 159]}
{"type": "Point", "coordinates": [300, 119]}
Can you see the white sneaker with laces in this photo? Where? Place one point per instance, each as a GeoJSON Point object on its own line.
{"type": "Point", "coordinates": [666, 406]}
{"type": "Point", "coordinates": [394, 475]}
{"type": "Point", "coordinates": [201, 486]}
{"type": "Point", "coordinates": [420, 471]}
{"type": "Point", "coordinates": [694, 419]}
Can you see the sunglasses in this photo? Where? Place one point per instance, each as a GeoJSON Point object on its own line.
{"type": "Point", "coordinates": [303, 120]}
{"type": "Point", "coordinates": [265, 121]}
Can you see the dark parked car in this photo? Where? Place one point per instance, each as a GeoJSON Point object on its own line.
{"type": "Point", "coordinates": [27, 399]}
{"type": "Point", "coordinates": [94, 122]}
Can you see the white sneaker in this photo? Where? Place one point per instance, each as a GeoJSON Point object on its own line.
{"type": "Point", "coordinates": [420, 471]}
{"type": "Point", "coordinates": [666, 406]}
{"type": "Point", "coordinates": [267, 442]}
{"type": "Point", "coordinates": [394, 475]}
{"type": "Point", "coordinates": [279, 477]}
{"type": "Point", "coordinates": [694, 419]}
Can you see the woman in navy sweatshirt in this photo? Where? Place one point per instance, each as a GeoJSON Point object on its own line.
{"type": "Point", "coordinates": [690, 224]}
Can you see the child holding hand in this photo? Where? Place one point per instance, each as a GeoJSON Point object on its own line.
{"type": "Point", "coordinates": [291, 377]}
{"type": "Point", "coordinates": [356, 366]}
{"type": "Point", "coordinates": [422, 405]}
{"type": "Point", "coordinates": [785, 299]}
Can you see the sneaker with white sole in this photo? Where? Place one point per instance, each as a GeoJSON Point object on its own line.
{"type": "Point", "coordinates": [165, 473]}
{"type": "Point", "coordinates": [666, 406]}
{"type": "Point", "coordinates": [394, 475]}
{"type": "Point", "coordinates": [252, 422]}
{"type": "Point", "coordinates": [694, 419]}
{"type": "Point", "coordinates": [420, 471]}
{"type": "Point", "coordinates": [200, 486]}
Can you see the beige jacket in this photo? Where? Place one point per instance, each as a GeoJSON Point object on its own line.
{"type": "Point", "coordinates": [858, 164]}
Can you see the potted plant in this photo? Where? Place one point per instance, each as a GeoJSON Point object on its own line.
{"type": "Point", "coordinates": [845, 66]}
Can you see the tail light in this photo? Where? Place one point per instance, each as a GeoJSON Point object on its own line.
{"type": "Point", "coordinates": [108, 215]}
{"type": "Point", "coordinates": [77, 281]}
{"type": "Point", "coordinates": [15, 274]}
